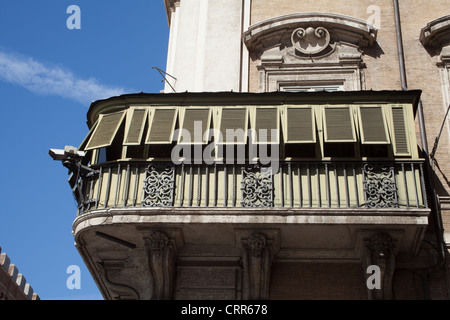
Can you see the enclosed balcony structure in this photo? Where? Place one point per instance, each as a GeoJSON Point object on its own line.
{"type": "Point", "coordinates": [214, 195]}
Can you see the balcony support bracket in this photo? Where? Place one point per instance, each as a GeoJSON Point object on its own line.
{"type": "Point", "coordinates": [377, 251]}
{"type": "Point", "coordinates": [161, 251]}
{"type": "Point", "coordinates": [258, 249]}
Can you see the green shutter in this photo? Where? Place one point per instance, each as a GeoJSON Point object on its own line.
{"type": "Point", "coordinates": [372, 125]}
{"type": "Point", "coordinates": [106, 130]}
{"type": "Point", "coordinates": [266, 119]}
{"type": "Point", "coordinates": [161, 126]}
{"type": "Point", "coordinates": [194, 117]}
{"type": "Point", "coordinates": [400, 136]}
{"type": "Point", "coordinates": [339, 125]}
{"type": "Point", "coordinates": [300, 125]}
{"type": "Point", "coordinates": [233, 119]}
{"type": "Point", "coordinates": [135, 126]}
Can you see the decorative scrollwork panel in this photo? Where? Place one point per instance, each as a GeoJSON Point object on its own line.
{"type": "Point", "coordinates": [159, 185]}
{"type": "Point", "coordinates": [257, 186]}
{"type": "Point", "coordinates": [379, 185]}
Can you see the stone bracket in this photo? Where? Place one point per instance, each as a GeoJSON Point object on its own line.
{"type": "Point", "coordinates": [122, 291]}
{"type": "Point", "coordinates": [258, 249]}
{"type": "Point", "coordinates": [379, 248]}
{"type": "Point", "coordinates": [162, 246]}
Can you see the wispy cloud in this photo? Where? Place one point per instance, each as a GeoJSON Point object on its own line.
{"type": "Point", "coordinates": [45, 79]}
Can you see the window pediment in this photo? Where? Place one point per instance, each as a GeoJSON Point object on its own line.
{"type": "Point", "coordinates": [437, 33]}
{"type": "Point", "coordinates": [304, 48]}
{"type": "Point", "coordinates": [309, 33]}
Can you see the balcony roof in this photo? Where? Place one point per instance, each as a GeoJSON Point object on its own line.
{"type": "Point", "coordinates": [235, 98]}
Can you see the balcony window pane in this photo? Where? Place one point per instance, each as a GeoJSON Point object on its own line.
{"type": "Point", "coordinates": [197, 123]}
{"type": "Point", "coordinates": [162, 124]}
{"type": "Point", "coordinates": [233, 125]}
{"type": "Point", "coordinates": [136, 119]}
{"type": "Point", "coordinates": [372, 125]}
{"type": "Point", "coordinates": [300, 125]}
{"type": "Point", "coordinates": [266, 120]}
{"type": "Point", "coordinates": [400, 136]}
{"type": "Point", "coordinates": [339, 125]}
{"type": "Point", "coordinates": [88, 137]}
{"type": "Point", "coordinates": [106, 130]}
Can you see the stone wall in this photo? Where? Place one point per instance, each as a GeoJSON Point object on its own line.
{"type": "Point", "coordinates": [13, 285]}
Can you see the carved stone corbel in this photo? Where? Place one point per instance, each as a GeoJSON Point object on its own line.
{"type": "Point", "coordinates": [121, 291]}
{"type": "Point", "coordinates": [258, 249]}
{"type": "Point", "coordinates": [162, 257]}
{"type": "Point", "coordinates": [379, 251]}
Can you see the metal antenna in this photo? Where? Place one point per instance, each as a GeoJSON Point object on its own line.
{"type": "Point", "coordinates": [163, 74]}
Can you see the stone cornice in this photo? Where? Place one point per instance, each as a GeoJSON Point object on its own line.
{"type": "Point", "coordinates": [268, 32]}
{"type": "Point", "coordinates": [170, 6]}
{"type": "Point", "coordinates": [180, 216]}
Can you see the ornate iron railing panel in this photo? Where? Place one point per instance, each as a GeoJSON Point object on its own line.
{"type": "Point", "coordinates": [379, 185]}
{"type": "Point", "coordinates": [257, 186]}
{"type": "Point", "coordinates": [159, 185]}
{"type": "Point", "coordinates": [365, 185]}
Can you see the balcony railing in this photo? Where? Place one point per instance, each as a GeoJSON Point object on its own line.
{"type": "Point", "coordinates": [362, 185]}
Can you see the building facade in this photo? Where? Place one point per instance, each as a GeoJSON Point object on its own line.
{"type": "Point", "coordinates": [299, 151]}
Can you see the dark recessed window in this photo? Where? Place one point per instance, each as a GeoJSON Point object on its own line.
{"type": "Point", "coordinates": [300, 150]}
{"type": "Point", "coordinates": [339, 150]}
{"type": "Point", "coordinates": [375, 150]}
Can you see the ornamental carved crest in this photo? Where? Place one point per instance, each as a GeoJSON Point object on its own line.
{"type": "Point", "coordinates": [310, 40]}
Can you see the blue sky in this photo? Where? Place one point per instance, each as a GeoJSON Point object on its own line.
{"type": "Point", "coordinates": [49, 74]}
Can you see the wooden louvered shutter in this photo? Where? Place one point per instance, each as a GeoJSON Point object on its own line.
{"type": "Point", "coordinates": [400, 135]}
{"type": "Point", "coordinates": [235, 121]}
{"type": "Point", "coordinates": [372, 125]}
{"type": "Point", "coordinates": [300, 125]}
{"type": "Point", "coordinates": [106, 130]}
{"type": "Point", "coordinates": [136, 119]}
{"type": "Point", "coordinates": [339, 125]}
{"type": "Point", "coordinates": [162, 125]}
{"type": "Point", "coordinates": [83, 144]}
{"type": "Point", "coordinates": [266, 119]}
{"type": "Point", "coordinates": [193, 118]}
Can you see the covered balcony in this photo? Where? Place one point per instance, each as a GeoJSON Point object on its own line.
{"type": "Point", "coordinates": [283, 150]}
{"type": "Point", "coordinates": [307, 177]}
